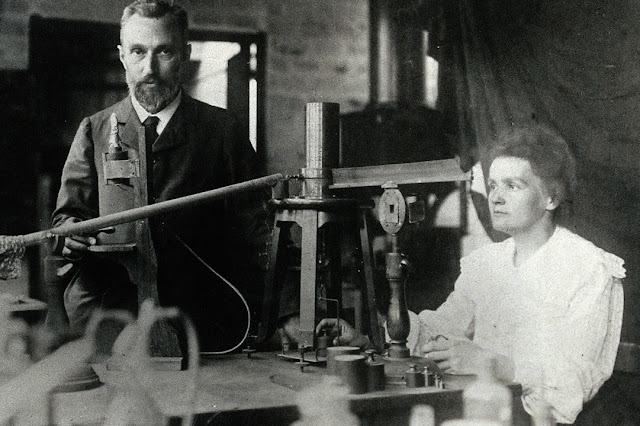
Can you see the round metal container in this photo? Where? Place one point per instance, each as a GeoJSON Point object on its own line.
{"type": "Point", "coordinates": [334, 351]}
{"type": "Point", "coordinates": [375, 376]}
{"type": "Point", "coordinates": [353, 372]}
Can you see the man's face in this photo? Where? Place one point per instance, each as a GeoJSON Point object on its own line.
{"type": "Point", "coordinates": [518, 198]}
{"type": "Point", "coordinates": [153, 53]}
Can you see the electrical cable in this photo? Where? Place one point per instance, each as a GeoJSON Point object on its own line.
{"type": "Point", "coordinates": [227, 282]}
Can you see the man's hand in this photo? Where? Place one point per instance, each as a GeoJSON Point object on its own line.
{"type": "Point", "coordinates": [289, 330]}
{"type": "Point", "coordinates": [76, 246]}
{"type": "Point", "coordinates": [345, 334]}
{"type": "Point", "coordinates": [456, 356]}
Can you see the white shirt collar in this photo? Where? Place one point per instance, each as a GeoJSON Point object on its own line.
{"type": "Point", "coordinates": [164, 116]}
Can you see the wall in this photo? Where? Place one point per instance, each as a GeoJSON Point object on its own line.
{"type": "Point", "coordinates": [317, 51]}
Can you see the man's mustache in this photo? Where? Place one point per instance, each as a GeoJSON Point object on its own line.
{"type": "Point", "coordinates": [151, 80]}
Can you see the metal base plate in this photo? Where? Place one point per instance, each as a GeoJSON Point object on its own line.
{"type": "Point", "coordinates": [310, 357]}
{"type": "Point", "coordinates": [111, 248]}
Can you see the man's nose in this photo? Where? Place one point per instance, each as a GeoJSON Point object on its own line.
{"type": "Point", "coordinates": [150, 64]}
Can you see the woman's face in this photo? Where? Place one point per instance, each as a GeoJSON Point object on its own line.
{"type": "Point", "coordinates": [518, 198]}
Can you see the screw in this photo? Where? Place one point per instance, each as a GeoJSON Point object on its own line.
{"type": "Point", "coordinates": [248, 351]}
{"type": "Point", "coordinates": [371, 354]}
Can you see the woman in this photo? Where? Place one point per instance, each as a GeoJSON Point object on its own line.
{"type": "Point", "coordinates": [545, 304]}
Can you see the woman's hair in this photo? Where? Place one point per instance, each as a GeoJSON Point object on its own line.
{"type": "Point", "coordinates": [158, 9]}
{"type": "Point", "coordinates": [549, 155]}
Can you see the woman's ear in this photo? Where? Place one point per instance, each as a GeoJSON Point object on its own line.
{"type": "Point", "coordinates": [553, 201]}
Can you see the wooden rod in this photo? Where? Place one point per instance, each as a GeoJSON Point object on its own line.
{"type": "Point", "coordinates": [97, 223]}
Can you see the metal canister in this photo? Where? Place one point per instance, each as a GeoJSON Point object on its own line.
{"type": "Point", "coordinates": [376, 379]}
{"type": "Point", "coordinates": [322, 344]}
{"type": "Point", "coordinates": [430, 377]}
{"type": "Point", "coordinates": [322, 147]}
{"type": "Point", "coordinates": [334, 351]}
{"type": "Point", "coordinates": [414, 377]}
{"type": "Point", "coordinates": [353, 372]}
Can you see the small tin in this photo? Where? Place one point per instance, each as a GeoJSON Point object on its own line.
{"type": "Point", "coordinates": [414, 377]}
{"type": "Point", "coordinates": [376, 379]}
{"type": "Point", "coordinates": [321, 347]}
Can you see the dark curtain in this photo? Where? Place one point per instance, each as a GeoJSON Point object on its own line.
{"type": "Point", "coordinates": [574, 65]}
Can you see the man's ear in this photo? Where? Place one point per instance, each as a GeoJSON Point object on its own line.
{"type": "Point", "coordinates": [121, 55]}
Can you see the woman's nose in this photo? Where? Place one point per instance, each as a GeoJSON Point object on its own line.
{"type": "Point", "coordinates": [495, 196]}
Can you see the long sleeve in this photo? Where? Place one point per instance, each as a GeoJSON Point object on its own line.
{"type": "Point", "coordinates": [558, 317]}
{"type": "Point", "coordinates": [455, 317]}
{"type": "Point", "coordinates": [78, 195]}
{"type": "Point", "coordinates": [564, 357]}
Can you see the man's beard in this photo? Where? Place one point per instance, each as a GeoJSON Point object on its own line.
{"type": "Point", "coordinates": [156, 98]}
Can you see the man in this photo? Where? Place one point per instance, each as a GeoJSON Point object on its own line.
{"type": "Point", "coordinates": [545, 304]}
{"type": "Point", "coordinates": [198, 148]}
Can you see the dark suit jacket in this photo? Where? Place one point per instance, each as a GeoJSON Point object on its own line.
{"type": "Point", "coordinates": [201, 148]}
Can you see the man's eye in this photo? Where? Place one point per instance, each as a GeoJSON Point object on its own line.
{"type": "Point", "coordinates": [137, 52]}
{"type": "Point", "coordinates": [166, 52]}
{"type": "Point", "coordinates": [513, 186]}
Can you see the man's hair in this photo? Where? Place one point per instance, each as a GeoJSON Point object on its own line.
{"type": "Point", "coordinates": [158, 9]}
{"type": "Point", "coordinates": [549, 155]}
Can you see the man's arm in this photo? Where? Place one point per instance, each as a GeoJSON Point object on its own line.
{"type": "Point", "coordinates": [78, 195]}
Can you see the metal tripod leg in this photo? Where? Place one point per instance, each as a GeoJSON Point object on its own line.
{"type": "Point", "coordinates": [308, 276]}
{"type": "Point", "coordinates": [272, 287]}
{"type": "Point", "coordinates": [367, 268]}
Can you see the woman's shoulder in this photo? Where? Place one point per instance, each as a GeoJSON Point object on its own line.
{"type": "Point", "coordinates": [580, 253]}
{"type": "Point", "coordinates": [489, 253]}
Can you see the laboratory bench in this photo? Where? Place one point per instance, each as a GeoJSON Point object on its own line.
{"type": "Point", "coordinates": [264, 388]}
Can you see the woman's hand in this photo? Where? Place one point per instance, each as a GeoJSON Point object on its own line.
{"type": "Point", "coordinates": [455, 356]}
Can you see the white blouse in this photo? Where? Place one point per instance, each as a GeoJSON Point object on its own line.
{"type": "Point", "coordinates": [557, 316]}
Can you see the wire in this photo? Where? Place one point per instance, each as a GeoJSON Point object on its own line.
{"type": "Point", "coordinates": [227, 282]}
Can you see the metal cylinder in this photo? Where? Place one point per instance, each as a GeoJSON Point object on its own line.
{"type": "Point", "coordinates": [322, 344]}
{"type": "Point", "coordinates": [415, 377]}
{"type": "Point", "coordinates": [353, 372]}
{"type": "Point", "coordinates": [322, 147]}
{"type": "Point", "coordinates": [375, 376]}
{"type": "Point", "coordinates": [334, 351]}
{"type": "Point", "coordinates": [430, 378]}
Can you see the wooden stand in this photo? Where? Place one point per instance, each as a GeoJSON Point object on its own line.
{"type": "Point", "coordinates": [332, 220]}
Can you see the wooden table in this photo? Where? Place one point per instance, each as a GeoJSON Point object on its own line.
{"type": "Point", "coordinates": [265, 388]}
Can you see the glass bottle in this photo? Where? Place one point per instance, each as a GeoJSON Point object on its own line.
{"type": "Point", "coordinates": [486, 398]}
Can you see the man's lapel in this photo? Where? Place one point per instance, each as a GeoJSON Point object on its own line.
{"type": "Point", "coordinates": [129, 123]}
{"type": "Point", "coordinates": [174, 134]}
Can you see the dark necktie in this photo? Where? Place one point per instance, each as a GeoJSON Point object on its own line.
{"type": "Point", "coordinates": [150, 126]}
{"type": "Point", "coordinates": [150, 135]}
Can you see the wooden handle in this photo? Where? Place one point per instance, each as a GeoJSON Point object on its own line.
{"type": "Point", "coordinates": [95, 224]}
